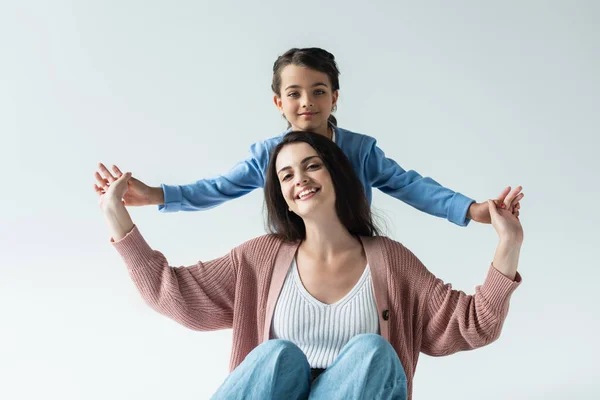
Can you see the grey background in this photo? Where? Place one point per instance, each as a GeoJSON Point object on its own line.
{"type": "Point", "coordinates": [477, 95]}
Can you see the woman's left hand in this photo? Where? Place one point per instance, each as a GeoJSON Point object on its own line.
{"type": "Point", "coordinates": [480, 212]}
{"type": "Point", "coordinates": [504, 221]}
{"type": "Point", "coordinates": [116, 189]}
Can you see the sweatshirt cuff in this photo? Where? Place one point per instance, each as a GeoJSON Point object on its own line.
{"type": "Point", "coordinates": [458, 209]}
{"type": "Point", "coordinates": [498, 288]}
{"type": "Point", "coordinates": [173, 198]}
{"type": "Point", "coordinates": [134, 249]}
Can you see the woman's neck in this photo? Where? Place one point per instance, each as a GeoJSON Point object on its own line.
{"type": "Point", "coordinates": [326, 239]}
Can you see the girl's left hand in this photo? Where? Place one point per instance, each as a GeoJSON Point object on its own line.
{"type": "Point", "coordinates": [480, 212]}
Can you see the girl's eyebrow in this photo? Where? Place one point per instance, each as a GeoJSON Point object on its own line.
{"type": "Point", "coordinates": [299, 87]}
{"type": "Point", "coordinates": [302, 162]}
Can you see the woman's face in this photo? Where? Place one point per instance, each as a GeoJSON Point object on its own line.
{"type": "Point", "coordinates": [305, 181]}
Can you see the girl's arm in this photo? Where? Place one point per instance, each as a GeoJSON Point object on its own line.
{"type": "Point", "coordinates": [424, 193]}
{"type": "Point", "coordinates": [203, 194]}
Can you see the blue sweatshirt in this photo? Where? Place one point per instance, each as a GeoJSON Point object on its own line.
{"type": "Point", "coordinates": [370, 164]}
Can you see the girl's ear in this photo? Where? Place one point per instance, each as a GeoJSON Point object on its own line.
{"type": "Point", "coordinates": [278, 103]}
{"type": "Point", "coordinates": [335, 98]}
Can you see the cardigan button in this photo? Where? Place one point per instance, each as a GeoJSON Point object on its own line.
{"type": "Point", "coordinates": [385, 314]}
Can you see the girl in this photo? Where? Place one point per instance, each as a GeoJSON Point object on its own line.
{"type": "Point", "coordinates": [306, 88]}
{"type": "Point", "coordinates": [322, 307]}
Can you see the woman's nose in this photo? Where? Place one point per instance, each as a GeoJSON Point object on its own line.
{"type": "Point", "coordinates": [301, 180]}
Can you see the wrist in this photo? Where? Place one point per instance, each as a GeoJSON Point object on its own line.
{"type": "Point", "coordinates": [111, 204]}
{"type": "Point", "coordinates": [470, 210]}
{"type": "Point", "coordinates": [509, 242]}
{"type": "Point", "coordinates": [156, 196]}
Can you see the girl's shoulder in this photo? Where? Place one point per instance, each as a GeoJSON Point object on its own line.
{"type": "Point", "coordinates": [345, 137]}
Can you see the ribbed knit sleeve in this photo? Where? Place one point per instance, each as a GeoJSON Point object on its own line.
{"type": "Point", "coordinates": [200, 296]}
{"type": "Point", "coordinates": [454, 321]}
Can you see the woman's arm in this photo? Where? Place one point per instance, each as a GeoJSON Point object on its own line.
{"type": "Point", "coordinates": [510, 235]}
{"type": "Point", "coordinates": [111, 193]}
{"type": "Point", "coordinates": [454, 321]}
{"type": "Point", "coordinates": [199, 297]}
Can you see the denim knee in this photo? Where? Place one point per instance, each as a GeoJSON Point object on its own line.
{"type": "Point", "coordinates": [376, 352]}
{"type": "Point", "coordinates": [371, 341]}
{"type": "Point", "coordinates": [284, 351]}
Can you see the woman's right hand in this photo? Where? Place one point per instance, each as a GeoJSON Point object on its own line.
{"type": "Point", "coordinates": [138, 193]}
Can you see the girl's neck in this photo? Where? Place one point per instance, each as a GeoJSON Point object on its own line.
{"type": "Point", "coordinates": [326, 131]}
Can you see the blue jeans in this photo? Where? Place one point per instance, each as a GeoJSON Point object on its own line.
{"type": "Point", "coordinates": [366, 368]}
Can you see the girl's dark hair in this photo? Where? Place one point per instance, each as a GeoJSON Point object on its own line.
{"type": "Point", "coordinates": [313, 58]}
{"type": "Point", "coordinates": [351, 204]}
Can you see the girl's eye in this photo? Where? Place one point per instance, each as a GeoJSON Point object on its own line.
{"type": "Point", "coordinates": [293, 94]}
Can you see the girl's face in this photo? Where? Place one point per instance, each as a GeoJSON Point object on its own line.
{"type": "Point", "coordinates": [306, 99]}
{"type": "Point", "coordinates": [305, 181]}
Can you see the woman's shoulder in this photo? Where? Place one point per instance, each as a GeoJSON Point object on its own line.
{"type": "Point", "coordinates": [394, 252]}
{"type": "Point", "coordinates": [259, 250]}
{"type": "Point", "coordinates": [259, 244]}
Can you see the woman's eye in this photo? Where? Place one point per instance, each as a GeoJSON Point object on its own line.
{"type": "Point", "coordinates": [319, 92]}
{"type": "Point", "coordinates": [313, 166]}
{"type": "Point", "coordinates": [286, 177]}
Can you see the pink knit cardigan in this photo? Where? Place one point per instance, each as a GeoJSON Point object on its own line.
{"type": "Point", "coordinates": [417, 311]}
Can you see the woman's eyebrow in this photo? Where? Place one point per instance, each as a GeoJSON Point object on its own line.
{"type": "Point", "coordinates": [302, 162]}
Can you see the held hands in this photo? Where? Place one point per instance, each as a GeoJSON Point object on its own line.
{"type": "Point", "coordinates": [480, 212]}
{"type": "Point", "coordinates": [506, 222]}
{"type": "Point", "coordinates": [113, 192]}
{"type": "Point", "coordinates": [137, 192]}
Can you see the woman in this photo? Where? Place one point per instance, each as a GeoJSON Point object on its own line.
{"type": "Point", "coordinates": [323, 307]}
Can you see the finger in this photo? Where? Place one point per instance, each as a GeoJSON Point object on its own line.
{"type": "Point", "coordinates": [493, 208]}
{"type": "Point", "coordinates": [117, 171]}
{"type": "Point", "coordinates": [518, 198]}
{"type": "Point", "coordinates": [516, 207]}
{"type": "Point", "coordinates": [503, 194]}
{"type": "Point", "coordinates": [103, 182]}
{"type": "Point", "coordinates": [125, 177]}
{"type": "Point", "coordinates": [106, 173]}
{"type": "Point", "coordinates": [98, 189]}
{"type": "Point", "coordinates": [508, 200]}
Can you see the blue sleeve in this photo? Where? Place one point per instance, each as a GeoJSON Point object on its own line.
{"type": "Point", "coordinates": [243, 178]}
{"type": "Point", "coordinates": [424, 194]}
